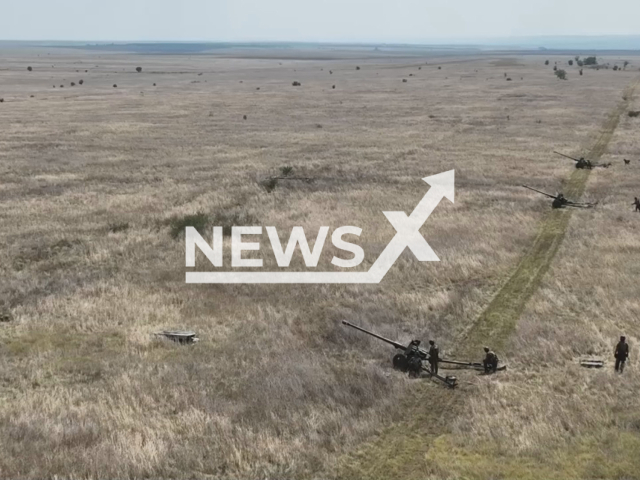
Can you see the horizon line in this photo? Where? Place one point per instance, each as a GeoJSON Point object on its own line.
{"type": "Point", "coordinates": [425, 41]}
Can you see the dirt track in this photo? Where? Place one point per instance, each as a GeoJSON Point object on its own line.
{"type": "Point", "coordinates": [401, 451]}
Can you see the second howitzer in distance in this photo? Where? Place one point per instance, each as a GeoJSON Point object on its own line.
{"type": "Point", "coordinates": [559, 201]}
{"type": "Point", "coordinates": [582, 163]}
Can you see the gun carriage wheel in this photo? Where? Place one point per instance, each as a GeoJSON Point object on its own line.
{"type": "Point", "coordinates": [400, 362]}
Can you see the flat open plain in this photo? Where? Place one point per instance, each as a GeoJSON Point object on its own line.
{"type": "Point", "coordinates": [95, 178]}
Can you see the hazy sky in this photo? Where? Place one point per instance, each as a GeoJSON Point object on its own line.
{"type": "Point", "coordinates": [317, 20]}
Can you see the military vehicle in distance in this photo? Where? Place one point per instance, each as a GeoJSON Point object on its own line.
{"type": "Point", "coordinates": [181, 337]}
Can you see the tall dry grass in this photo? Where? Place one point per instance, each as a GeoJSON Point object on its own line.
{"type": "Point", "coordinates": [276, 388]}
{"type": "Point", "coordinates": [548, 416]}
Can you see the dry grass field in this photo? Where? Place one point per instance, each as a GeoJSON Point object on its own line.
{"type": "Point", "coordinates": [94, 177]}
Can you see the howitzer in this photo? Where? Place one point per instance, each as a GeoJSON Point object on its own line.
{"type": "Point", "coordinates": [410, 360]}
{"type": "Point", "coordinates": [582, 163]}
{"type": "Point", "coordinates": [559, 201]}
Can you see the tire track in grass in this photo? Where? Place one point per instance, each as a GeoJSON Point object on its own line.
{"type": "Point", "coordinates": [401, 450]}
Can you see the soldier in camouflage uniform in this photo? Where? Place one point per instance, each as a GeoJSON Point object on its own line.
{"type": "Point", "coordinates": [414, 359]}
{"type": "Point", "coordinates": [434, 357]}
{"type": "Point", "coordinates": [621, 354]}
{"type": "Point", "coordinates": [490, 361]}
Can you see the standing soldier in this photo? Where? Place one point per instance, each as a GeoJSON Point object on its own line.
{"type": "Point", "coordinates": [636, 203]}
{"type": "Point", "coordinates": [434, 357]}
{"type": "Point", "coordinates": [490, 361]}
{"type": "Point", "coordinates": [621, 353]}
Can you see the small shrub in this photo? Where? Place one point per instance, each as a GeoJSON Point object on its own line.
{"type": "Point", "coordinates": [404, 80]}
{"type": "Point", "coordinates": [357, 68]}
{"type": "Point", "coordinates": [590, 61]}
{"type": "Point", "coordinates": [330, 72]}
{"type": "Point", "coordinates": [154, 84]}
{"type": "Point", "coordinates": [546, 62]}
{"type": "Point", "coordinates": [269, 184]}
{"type": "Point", "coordinates": [61, 86]}
{"type": "Point", "coordinates": [201, 221]}
{"type": "Point", "coordinates": [138, 69]}
{"type": "Point", "coordinates": [177, 224]}
{"type": "Point", "coordinates": [30, 69]}
{"type": "Point", "coordinates": [42, 253]}
{"type": "Point", "coordinates": [580, 71]}
{"type": "Point", "coordinates": [296, 84]}
{"type": "Point", "coordinates": [333, 87]}
{"type": "Point", "coordinates": [626, 62]}
{"type": "Point", "coordinates": [1, 100]}
{"type": "Point", "coordinates": [80, 82]}
{"type": "Point", "coordinates": [508, 79]}
{"type": "Point", "coordinates": [118, 227]}
{"type": "Point", "coordinates": [5, 315]}
{"type": "Point", "coordinates": [73, 84]}
{"type": "Point", "coordinates": [439, 68]}
{"type": "Point", "coordinates": [570, 63]}
{"type": "Point", "coordinates": [634, 113]}
{"type": "Point", "coordinates": [615, 68]}
{"type": "Point", "coordinates": [286, 170]}
{"type": "Point", "coordinates": [555, 68]}
{"type": "Point", "coordinates": [233, 218]}
{"type": "Point", "coordinates": [561, 74]}
{"type": "Point", "coordinates": [244, 117]}
{"type": "Point", "coordinates": [115, 86]}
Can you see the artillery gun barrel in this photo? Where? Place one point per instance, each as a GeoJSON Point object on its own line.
{"type": "Point", "coordinates": [379, 337]}
{"type": "Point", "coordinates": [539, 191]}
{"type": "Point", "coordinates": [465, 364]}
{"type": "Point", "coordinates": [566, 156]}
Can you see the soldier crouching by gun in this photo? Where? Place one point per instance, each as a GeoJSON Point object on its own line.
{"type": "Point", "coordinates": [414, 358]}
{"type": "Point", "coordinates": [490, 361]}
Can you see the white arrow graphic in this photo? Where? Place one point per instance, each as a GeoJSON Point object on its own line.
{"type": "Point", "coordinates": [407, 235]}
